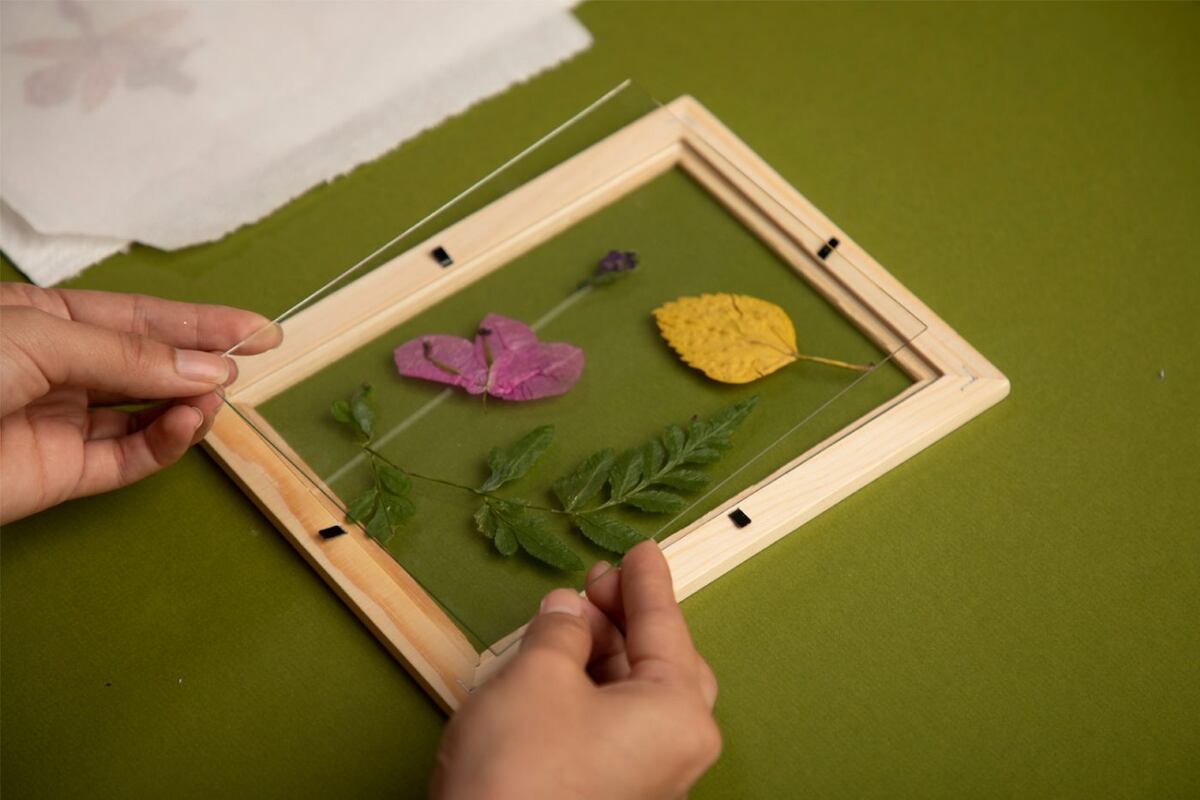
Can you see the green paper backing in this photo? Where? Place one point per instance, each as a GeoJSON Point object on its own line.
{"type": "Point", "coordinates": [1011, 613]}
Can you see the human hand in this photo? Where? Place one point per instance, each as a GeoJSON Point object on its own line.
{"type": "Point", "coordinates": [64, 355]}
{"type": "Point", "coordinates": [607, 698]}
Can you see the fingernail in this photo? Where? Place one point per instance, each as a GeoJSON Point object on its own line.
{"type": "Point", "coordinates": [199, 366]}
{"type": "Point", "coordinates": [562, 601]}
{"type": "Point", "coordinates": [199, 418]}
{"type": "Point", "coordinates": [233, 371]}
{"type": "Point", "coordinates": [268, 337]}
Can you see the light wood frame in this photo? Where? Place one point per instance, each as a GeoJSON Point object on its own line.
{"type": "Point", "coordinates": [952, 382]}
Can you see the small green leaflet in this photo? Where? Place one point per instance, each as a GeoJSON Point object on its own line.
{"type": "Point", "coordinates": [656, 501]}
{"type": "Point", "coordinates": [510, 463]}
{"type": "Point", "coordinates": [509, 525]}
{"type": "Point", "coordinates": [489, 525]}
{"type": "Point", "coordinates": [585, 482]}
{"type": "Point", "coordinates": [379, 528]}
{"type": "Point", "coordinates": [673, 440]}
{"type": "Point", "coordinates": [716, 430]}
{"type": "Point", "coordinates": [392, 480]}
{"type": "Point", "coordinates": [358, 412]}
{"type": "Point", "coordinates": [625, 474]}
{"type": "Point", "coordinates": [685, 480]}
{"type": "Point", "coordinates": [609, 533]}
{"type": "Point", "coordinates": [361, 507]}
{"type": "Point", "coordinates": [398, 508]}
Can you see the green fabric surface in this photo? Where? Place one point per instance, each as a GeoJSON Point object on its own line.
{"type": "Point", "coordinates": [1011, 613]}
{"type": "Point", "coordinates": [632, 387]}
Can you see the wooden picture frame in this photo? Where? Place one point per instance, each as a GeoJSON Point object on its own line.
{"type": "Point", "coordinates": [952, 382]}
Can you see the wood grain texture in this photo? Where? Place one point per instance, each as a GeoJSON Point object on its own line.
{"type": "Point", "coordinates": [393, 605]}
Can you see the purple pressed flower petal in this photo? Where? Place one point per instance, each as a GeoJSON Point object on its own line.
{"type": "Point", "coordinates": [543, 370]}
{"type": "Point", "coordinates": [506, 360]}
{"type": "Point", "coordinates": [442, 359]}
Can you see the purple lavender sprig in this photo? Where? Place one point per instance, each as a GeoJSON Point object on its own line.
{"type": "Point", "coordinates": [614, 265]}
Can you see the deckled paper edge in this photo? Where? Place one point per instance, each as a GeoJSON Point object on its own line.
{"type": "Point", "coordinates": [546, 43]}
{"type": "Point", "coordinates": [50, 259]}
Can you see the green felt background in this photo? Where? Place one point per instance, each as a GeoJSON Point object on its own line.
{"type": "Point", "coordinates": [1011, 613]}
{"type": "Point", "coordinates": [631, 388]}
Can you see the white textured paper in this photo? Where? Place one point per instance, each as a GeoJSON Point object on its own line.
{"type": "Point", "coordinates": [48, 259]}
{"type": "Point", "coordinates": [173, 123]}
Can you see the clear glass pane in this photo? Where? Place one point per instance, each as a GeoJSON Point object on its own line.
{"type": "Point", "coordinates": [689, 242]}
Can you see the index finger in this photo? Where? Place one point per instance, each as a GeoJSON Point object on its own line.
{"type": "Point", "coordinates": [194, 326]}
{"type": "Point", "coordinates": [656, 636]}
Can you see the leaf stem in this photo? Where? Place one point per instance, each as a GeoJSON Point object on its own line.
{"type": "Point", "coordinates": [833, 362]}
{"type": "Point", "coordinates": [452, 484]}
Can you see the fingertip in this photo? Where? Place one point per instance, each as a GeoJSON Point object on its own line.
{"type": "Point", "coordinates": [233, 371]}
{"type": "Point", "coordinates": [603, 589]}
{"type": "Point", "coordinates": [265, 335]}
{"type": "Point", "coordinates": [596, 571]}
{"type": "Point", "coordinates": [204, 406]}
{"type": "Point", "coordinates": [169, 436]}
{"type": "Point", "coordinates": [645, 551]}
{"type": "Point", "coordinates": [561, 601]}
{"type": "Point", "coordinates": [558, 629]}
{"type": "Point", "coordinates": [197, 417]}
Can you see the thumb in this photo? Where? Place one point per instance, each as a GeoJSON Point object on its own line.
{"type": "Point", "coordinates": [559, 631]}
{"type": "Point", "coordinates": [60, 352]}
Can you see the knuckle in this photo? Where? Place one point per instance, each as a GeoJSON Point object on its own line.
{"type": "Point", "coordinates": [700, 742]}
{"type": "Point", "coordinates": [135, 352]}
{"type": "Point", "coordinates": [708, 742]}
{"type": "Point", "coordinates": [140, 315]}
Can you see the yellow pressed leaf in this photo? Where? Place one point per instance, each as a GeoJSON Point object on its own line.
{"type": "Point", "coordinates": [732, 338]}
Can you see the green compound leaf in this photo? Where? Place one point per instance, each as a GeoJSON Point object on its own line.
{"type": "Point", "coordinates": [625, 473]}
{"type": "Point", "coordinates": [575, 490]}
{"type": "Point", "coordinates": [513, 462]}
{"type": "Point", "coordinates": [609, 533]}
{"type": "Point", "coordinates": [361, 507]}
{"type": "Point", "coordinates": [656, 501]}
